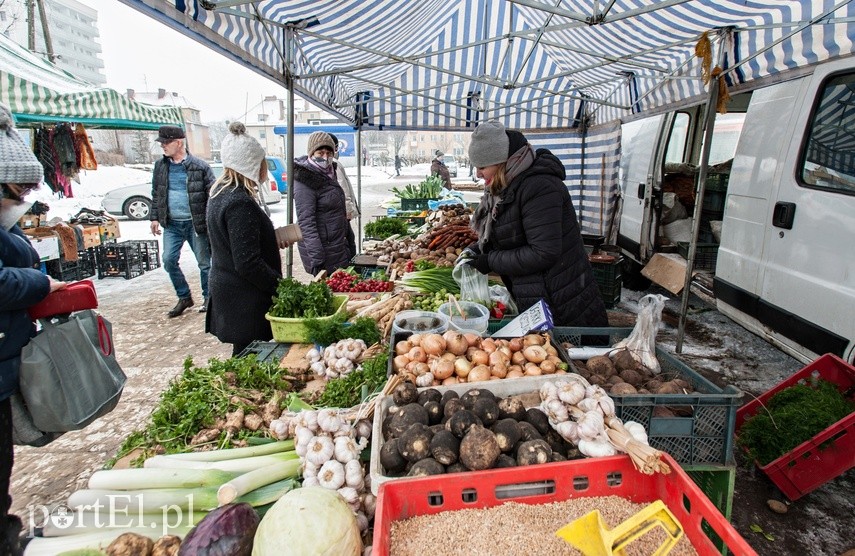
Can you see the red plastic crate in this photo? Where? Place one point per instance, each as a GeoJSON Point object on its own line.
{"type": "Point", "coordinates": [825, 456]}
{"type": "Point", "coordinates": [556, 482]}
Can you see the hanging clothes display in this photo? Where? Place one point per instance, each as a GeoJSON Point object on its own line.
{"type": "Point", "coordinates": [60, 179]}
{"type": "Point", "coordinates": [44, 152]}
{"type": "Point", "coordinates": [85, 152]}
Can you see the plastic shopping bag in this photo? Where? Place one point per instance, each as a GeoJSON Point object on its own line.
{"type": "Point", "coordinates": [473, 284]}
{"type": "Point", "coordinates": [641, 343]}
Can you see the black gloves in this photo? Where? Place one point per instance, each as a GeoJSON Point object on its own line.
{"type": "Point", "coordinates": [481, 263]}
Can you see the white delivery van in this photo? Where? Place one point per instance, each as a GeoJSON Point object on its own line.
{"type": "Point", "coordinates": [782, 190]}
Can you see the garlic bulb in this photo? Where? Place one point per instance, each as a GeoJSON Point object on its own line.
{"type": "Point", "coordinates": [329, 421]}
{"type": "Point", "coordinates": [548, 391]}
{"type": "Point", "coordinates": [308, 419]}
{"type": "Point", "coordinates": [596, 448]}
{"type": "Point", "coordinates": [311, 482]}
{"type": "Point", "coordinates": [637, 431]}
{"type": "Point", "coordinates": [320, 450]}
{"type": "Point", "coordinates": [303, 436]}
{"type": "Point", "coordinates": [346, 449]}
{"type": "Point", "coordinates": [310, 469]}
{"type": "Point", "coordinates": [570, 392]}
{"type": "Point", "coordinates": [350, 496]}
{"type": "Point", "coordinates": [590, 426]}
{"type": "Point", "coordinates": [331, 475]}
{"type": "Point", "coordinates": [279, 429]}
{"type": "Point", "coordinates": [555, 411]}
{"type": "Point", "coordinates": [569, 431]}
{"type": "Point", "coordinates": [424, 380]}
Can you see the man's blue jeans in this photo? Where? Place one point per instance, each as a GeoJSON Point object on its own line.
{"type": "Point", "coordinates": [174, 237]}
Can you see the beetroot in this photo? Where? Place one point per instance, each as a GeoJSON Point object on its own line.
{"type": "Point", "coordinates": [226, 531]}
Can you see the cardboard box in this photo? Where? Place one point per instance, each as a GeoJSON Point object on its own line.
{"type": "Point", "coordinates": [668, 270]}
{"type": "Point", "coordinates": [109, 230]}
{"type": "Point", "coordinates": [46, 247]}
{"type": "Point", "coordinates": [91, 236]}
{"type": "Point", "coordinates": [30, 221]}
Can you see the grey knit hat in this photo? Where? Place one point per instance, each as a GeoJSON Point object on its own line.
{"type": "Point", "coordinates": [489, 144]}
{"type": "Point", "coordinates": [242, 153]}
{"type": "Point", "coordinates": [320, 139]}
{"type": "Point", "coordinates": [18, 164]}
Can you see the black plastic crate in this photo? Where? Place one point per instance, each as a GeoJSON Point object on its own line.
{"type": "Point", "coordinates": [415, 204]}
{"type": "Point", "coordinates": [266, 352]}
{"type": "Point", "coordinates": [608, 277]}
{"type": "Point", "coordinates": [120, 260]}
{"type": "Point", "coordinates": [87, 263]}
{"type": "Point", "coordinates": [150, 253]}
{"type": "Point", "coordinates": [701, 432]}
{"type": "Point", "coordinates": [62, 270]}
{"type": "Point", "coordinates": [705, 255]}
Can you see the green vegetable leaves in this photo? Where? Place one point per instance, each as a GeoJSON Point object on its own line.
{"type": "Point", "coordinates": [347, 391]}
{"type": "Point", "coordinates": [757, 529]}
{"type": "Point", "coordinates": [296, 300]}
{"type": "Point", "coordinates": [385, 227]}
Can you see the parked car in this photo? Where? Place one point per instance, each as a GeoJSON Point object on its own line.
{"type": "Point", "coordinates": [450, 163]}
{"type": "Point", "coordinates": [277, 167]}
{"type": "Point", "coordinates": [270, 194]}
{"type": "Point", "coordinates": [134, 201]}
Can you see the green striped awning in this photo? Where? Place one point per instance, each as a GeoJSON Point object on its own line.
{"type": "Point", "coordinates": [40, 92]}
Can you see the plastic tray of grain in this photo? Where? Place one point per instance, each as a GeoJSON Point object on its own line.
{"type": "Point", "coordinates": [500, 388]}
{"type": "Point", "coordinates": [702, 523]}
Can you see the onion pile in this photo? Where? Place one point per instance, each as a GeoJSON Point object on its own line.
{"type": "Point", "coordinates": [451, 358]}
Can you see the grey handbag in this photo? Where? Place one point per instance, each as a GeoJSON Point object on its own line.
{"type": "Point", "coordinates": [69, 374]}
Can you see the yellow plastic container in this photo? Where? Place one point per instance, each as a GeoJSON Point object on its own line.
{"type": "Point", "coordinates": [294, 331]}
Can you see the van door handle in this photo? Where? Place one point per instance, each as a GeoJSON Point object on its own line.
{"type": "Point", "coordinates": [784, 215]}
{"type": "Point", "coordinates": [641, 190]}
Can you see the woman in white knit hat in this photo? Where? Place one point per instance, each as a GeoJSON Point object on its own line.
{"type": "Point", "coordinates": [527, 228]}
{"type": "Point", "coordinates": [245, 262]}
{"type": "Point", "coordinates": [21, 285]}
{"type": "Point", "coordinates": [320, 204]}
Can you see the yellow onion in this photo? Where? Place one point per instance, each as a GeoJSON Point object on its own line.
{"type": "Point", "coordinates": [499, 370]}
{"type": "Point", "coordinates": [450, 380]}
{"type": "Point", "coordinates": [516, 344]}
{"type": "Point", "coordinates": [416, 339]}
{"type": "Point", "coordinates": [528, 340]}
{"type": "Point", "coordinates": [472, 339]}
{"type": "Point", "coordinates": [532, 353]}
{"type": "Point", "coordinates": [456, 343]}
{"type": "Point", "coordinates": [479, 357]}
{"type": "Point", "coordinates": [400, 362]}
{"type": "Point", "coordinates": [498, 357]}
{"type": "Point", "coordinates": [479, 373]}
{"type": "Point", "coordinates": [402, 347]}
{"type": "Point", "coordinates": [488, 345]}
{"type": "Point", "coordinates": [515, 372]}
{"type": "Point", "coordinates": [417, 353]}
{"type": "Point", "coordinates": [517, 358]}
{"type": "Point", "coordinates": [548, 367]}
{"type": "Point", "coordinates": [531, 369]}
{"type": "Point", "coordinates": [443, 369]}
{"type": "Point", "coordinates": [462, 366]}
{"type": "Point", "coordinates": [550, 349]}
{"type": "Point", "coordinates": [433, 344]}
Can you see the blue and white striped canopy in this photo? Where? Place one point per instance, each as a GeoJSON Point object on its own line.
{"type": "Point", "coordinates": [533, 64]}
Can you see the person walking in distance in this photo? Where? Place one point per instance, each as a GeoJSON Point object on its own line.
{"type": "Point", "coordinates": [397, 165]}
{"type": "Point", "coordinates": [179, 196]}
{"type": "Point", "coordinates": [438, 168]}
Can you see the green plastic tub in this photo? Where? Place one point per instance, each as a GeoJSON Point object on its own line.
{"type": "Point", "coordinates": [294, 330]}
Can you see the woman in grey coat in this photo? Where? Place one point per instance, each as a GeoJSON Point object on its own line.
{"type": "Point", "coordinates": [321, 211]}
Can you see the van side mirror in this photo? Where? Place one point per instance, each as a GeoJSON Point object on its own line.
{"type": "Point", "coordinates": [784, 215]}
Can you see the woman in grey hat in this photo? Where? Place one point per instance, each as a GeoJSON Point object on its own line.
{"type": "Point", "coordinates": [320, 204]}
{"type": "Point", "coordinates": [527, 228]}
{"type": "Point", "coordinates": [21, 286]}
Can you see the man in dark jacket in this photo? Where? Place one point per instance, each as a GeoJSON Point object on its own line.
{"type": "Point", "coordinates": [179, 194]}
{"type": "Point", "coordinates": [527, 228]}
{"type": "Point", "coordinates": [438, 167]}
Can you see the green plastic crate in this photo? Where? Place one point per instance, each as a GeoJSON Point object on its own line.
{"type": "Point", "coordinates": [608, 277]}
{"type": "Point", "coordinates": [706, 254]}
{"type": "Point", "coordinates": [294, 330]}
{"type": "Point", "coordinates": [266, 352]}
{"type": "Point", "coordinates": [415, 204]}
{"type": "Point", "coordinates": [717, 482]}
{"type": "Point", "coordinates": [702, 434]}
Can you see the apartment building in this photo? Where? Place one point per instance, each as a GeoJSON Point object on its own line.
{"type": "Point", "coordinates": [74, 34]}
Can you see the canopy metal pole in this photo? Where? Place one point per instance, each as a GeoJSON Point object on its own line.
{"type": "Point", "coordinates": [289, 144]}
{"type": "Point", "coordinates": [359, 188]}
{"type": "Point", "coordinates": [709, 123]}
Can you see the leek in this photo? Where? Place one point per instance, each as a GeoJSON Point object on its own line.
{"type": "Point", "coordinates": [135, 479]}
{"type": "Point", "coordinates": [262, 476]}
{"type": "Point", "coordinates": [235, 453]}
{"type": "Point", "coordinates": [40, 546]}
{"type": "Point", "coordinates": [83, 522]}
{"type": "Point", "coordinates": [240, 465]}
{"type": "Point", "coordinates": [169, 499]}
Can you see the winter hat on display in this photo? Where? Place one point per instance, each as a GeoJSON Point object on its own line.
{"type": "Point", "coordinates": [242, 153]}
{"type": "Point", "coordinates": [320, 139]}
{"type": "Point", "coordinates": [489, 144]}
{"type": "Point", "coordinates": [18, 164]}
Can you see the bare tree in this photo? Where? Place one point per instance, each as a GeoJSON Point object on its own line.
{"type": "Point", "coordinates": [217, 132]}
{"type": "Point", "coordinates": [12, 17]}
{"type": "Point", "coordinates": [141, 147]}
{"type": "Point", "coordinates": [399, 139]}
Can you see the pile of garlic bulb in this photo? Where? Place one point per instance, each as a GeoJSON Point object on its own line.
{"type": "Point", "coordinates": [338, 359]}
{"type": "Point", "coordinates": [329, 450]}
{"type": "Point", "coordinates": [582, 413]}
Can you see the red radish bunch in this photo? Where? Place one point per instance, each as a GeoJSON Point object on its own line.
{"type": "Point", "coordinates": [342, 281]}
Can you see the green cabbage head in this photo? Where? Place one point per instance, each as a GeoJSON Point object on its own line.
{"type": "Point", "coordinates": [309, 521]}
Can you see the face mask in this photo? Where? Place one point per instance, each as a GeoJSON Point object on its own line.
{"type": "Point", "coordinates": [321, 162]}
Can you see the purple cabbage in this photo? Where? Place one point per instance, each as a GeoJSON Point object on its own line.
{"type": "Point", "coordinates": [226, 531]}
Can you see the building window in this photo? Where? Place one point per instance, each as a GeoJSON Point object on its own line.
{"type": "Point", "coordinates": [2, 16]}
{"type": "Point", "coordinates": [262, 134]}
{"type": "Point", "coordinates": [262, 117]}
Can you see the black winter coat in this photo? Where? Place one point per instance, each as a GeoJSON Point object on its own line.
{"type": "Point", "coordinates": [322, 217]}
{"type": "Point", "coordinates": [245, 268]}
{"type": "Point", "coordinates": [200, 177]}
{"type": "Point", "coordinates": [536, 247]}
{"type": "Point", "coordinates": [21, 286]}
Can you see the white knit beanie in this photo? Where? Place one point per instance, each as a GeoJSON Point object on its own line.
{"type": "Point", "coordinates": [18, 164]}
{"type": "Point", "coordinates": [242, 153]}
{"type": "Point", "coordinates": [488, 145]}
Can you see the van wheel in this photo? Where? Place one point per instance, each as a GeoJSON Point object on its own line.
{"type": "Point", "coordinates": [631, 276]}
{"type": "Point", "coordinates": [137, 208]}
